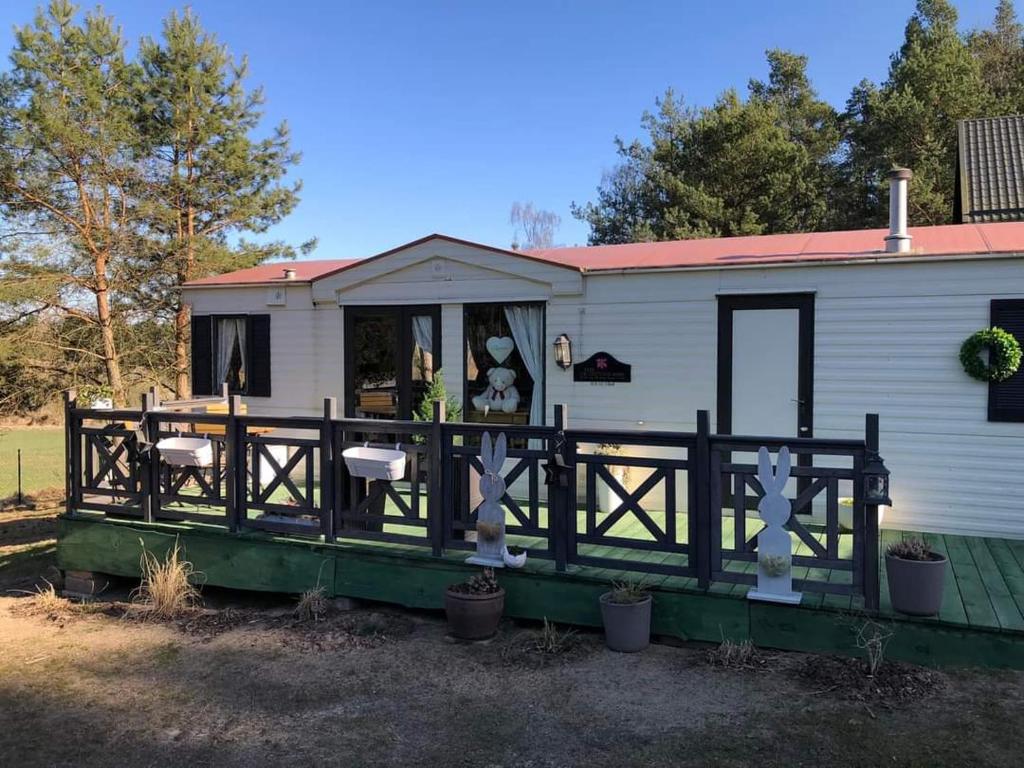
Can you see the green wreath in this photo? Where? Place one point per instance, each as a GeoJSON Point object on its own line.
{"type": "Point", "coordinates": [1004, 355]}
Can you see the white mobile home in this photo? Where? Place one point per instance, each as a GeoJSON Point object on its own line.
{"type": "Point", "coordinates": [785, 334]}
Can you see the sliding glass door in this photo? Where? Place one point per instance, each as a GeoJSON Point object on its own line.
{"type": "Point", "coordinates": [391, 357]}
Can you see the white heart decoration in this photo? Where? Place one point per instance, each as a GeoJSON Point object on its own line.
{"type": "Point", "coordinates": [500, 348]}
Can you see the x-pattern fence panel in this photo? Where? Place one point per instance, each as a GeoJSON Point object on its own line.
{"type": "Point", "coordinates": [383, 510]}
{"type": "Point", "coordinates": [828, 553]}
{"type": "Point", "coordinates": [636, 525]}
{"type": "Point", "coordinates": [105, 467]}
{"type": "Point", "coordinates": [525, 500]}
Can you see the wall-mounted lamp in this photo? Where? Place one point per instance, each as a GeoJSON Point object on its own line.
{"type": "Point", "coordinates": [876, 480]}
{"type": "Point", "coordinates": [563, 351]}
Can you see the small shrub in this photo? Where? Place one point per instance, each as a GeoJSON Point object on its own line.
{"type": "Point", "coordinates": [872, 638]}
{"type": "Point", "coordinates": [166, 591]}
{"type": "Point", "coordinates": [46, 601]}
{"type": "Point", "coordinates": [554, 641]}
{"type": "Point", "coordinates": [480, 584]}
{"type": "Point", "coordinates": [312, 605]}
{"type": "Point", "coordinates": [628, 591]}
{"type": "Point", "coordinates": [733, 655]}
{"type": "Point", "coordinates": [910, 549]}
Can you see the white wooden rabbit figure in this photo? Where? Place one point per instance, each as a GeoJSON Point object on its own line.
{"type": "Point", "coordinates": [774, 547]}
{"type": "Point", "coordinates": [490, 516]}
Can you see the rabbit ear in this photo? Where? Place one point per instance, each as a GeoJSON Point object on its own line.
{"type": "Point", "coordinates": [782, 469]}
{"type": "Point", "coordinates": [500, 451]}
{"type": "Point", "coordinates": [486, 452]}
{"type": "Point", "coordinates": [765, 476]}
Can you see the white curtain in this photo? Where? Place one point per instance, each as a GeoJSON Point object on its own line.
{"type": "Point", "coordinates": [240, 335]}
{"type": "Point", "coordinates": [527, 326]}
{"type": "Point", "coordinates": [230, 333]}
{"type": "Point", "coordinates": [423, 333]}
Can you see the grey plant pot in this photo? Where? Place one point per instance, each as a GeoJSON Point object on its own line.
{"type": "Point", "coordinates": [915, 586]}
{"type": "Point", "coordinates": [627, 626]}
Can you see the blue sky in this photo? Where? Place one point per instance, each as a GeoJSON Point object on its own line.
{"type": "Point", "coordinates": [418, 117]}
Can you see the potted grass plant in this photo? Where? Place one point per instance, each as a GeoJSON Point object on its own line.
{"type": "Point", "coordinates": [916, 577]}
{"type": "Point", "coordinates": [474, 606]}
{"type": "Point", "coordinates": [626, 615]}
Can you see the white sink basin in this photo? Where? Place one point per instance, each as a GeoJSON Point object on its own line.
{"type": "Point", "coordinates": [375, 463]}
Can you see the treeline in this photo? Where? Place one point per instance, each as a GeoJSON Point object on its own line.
{"type": "Point", "coordinates": [120, 179]}
{"type": "Point", "coordinates": [781, 159]}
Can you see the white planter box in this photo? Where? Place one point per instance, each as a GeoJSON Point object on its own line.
{"type": "Point", "coordinates": [186, 451]}
{"type": "Point", "coordinates": [375, 463]}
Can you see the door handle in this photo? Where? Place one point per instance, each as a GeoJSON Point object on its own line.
{"type": "Point", "coordinates": [796, 400]}
{"type": "Point", "coordinates": [804, 429]}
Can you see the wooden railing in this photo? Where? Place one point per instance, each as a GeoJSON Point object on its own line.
{"type": "Point", "coordinates": [687, 512]}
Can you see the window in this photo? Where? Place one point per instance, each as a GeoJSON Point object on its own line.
{"type": "Point", "coordinates": [232, 350]}
{"type": "Point", "coordinates": [1006, 398]}
{"type": "Point", "coordinates": [504, 376]}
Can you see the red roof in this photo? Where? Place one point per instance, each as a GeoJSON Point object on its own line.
{"type": "Point", "coordinates": [853, 245]}
{"type": "Point", "coordinates": [944, 240]}
{"type": "Point", "coordinates": [273, 272]}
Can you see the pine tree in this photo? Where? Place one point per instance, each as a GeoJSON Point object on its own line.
{"type": "Point", "coordinates": [68, 179]}
{"type": "Point", "coordinates": [210, 182]}
{"type": "Point", "coordinates": [758, 166]}
{"type": "Point", "coordinates": [999, 52]}
{"type": "Point", "coordinates": [911, 119]}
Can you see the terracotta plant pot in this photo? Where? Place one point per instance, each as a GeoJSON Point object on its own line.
{"type": "Point", "coordinates": [473, 617]}
{"type": "Point", "coordinates": [627, 626]}
{"type": "Point", "coordinates": [915, 586]}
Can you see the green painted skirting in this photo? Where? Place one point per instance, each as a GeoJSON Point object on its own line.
{"type": "Point", "coordinates": [256, 561]}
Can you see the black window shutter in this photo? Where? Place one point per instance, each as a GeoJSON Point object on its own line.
{"type": "Point", "coordinates": [259, 356]}
{"type": "Point", "coordinates": [202, 355]}
{"type": "Point", "coordinates": [1006, 398]}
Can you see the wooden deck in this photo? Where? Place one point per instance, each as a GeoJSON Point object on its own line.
{"type": "Point", "coordinates": [984, 588]}
{"type": "Point", "coordinates": [981, 622]}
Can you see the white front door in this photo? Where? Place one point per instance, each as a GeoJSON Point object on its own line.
{"type": "Point", "coordinates": [765, 366]}
{"type": "Point", "coordinates": [765, 372]}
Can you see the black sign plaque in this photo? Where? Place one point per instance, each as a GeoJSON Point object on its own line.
{"type": "Point", "coordinates": [602, 368]}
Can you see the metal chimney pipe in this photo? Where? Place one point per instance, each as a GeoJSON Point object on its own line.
{"type": "Point", "coordinates": [898, 240]}
{"type": "Point", "coordinates": [289, 274]}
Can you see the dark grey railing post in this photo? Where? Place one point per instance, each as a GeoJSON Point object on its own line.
{"type": "Point", "coordinates": [700, 470]}
{"type": "Point", "coordinates": [71, 450]}
{"type": "Point", "coordinates": [327, 459]}
{"type": "Point", "coordinates": [234, 465]}
{"type": "Point", "coordinates": [436, 503]}
{"type": "Point", "coordinates": [558, 493]}
{"type": "Point", "coordinates": [871, 576]}
{"type": "Point", "coordinates": [150, 493]}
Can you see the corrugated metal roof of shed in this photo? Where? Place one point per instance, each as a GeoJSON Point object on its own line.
{"type": "Point", "coordinates": [990, 169]}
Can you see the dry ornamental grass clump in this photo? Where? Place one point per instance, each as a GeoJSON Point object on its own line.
{"type": "Point", "coordinates": [167, 591]}
{"type": "Point", "coordinates": [312, 605]}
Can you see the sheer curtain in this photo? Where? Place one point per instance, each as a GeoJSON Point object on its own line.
{"type": "Point", "coordinates": [230, 333]}
{"type": "Point", "coordinates": [527, 326]}
{"type": "Point", "coordinates": [423, 335]}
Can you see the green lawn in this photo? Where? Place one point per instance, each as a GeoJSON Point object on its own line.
{"type": "Point", "coordinates": [42, 459]}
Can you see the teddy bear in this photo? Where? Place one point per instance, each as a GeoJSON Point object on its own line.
{"type": "Point", "coordinates": [501, 394]}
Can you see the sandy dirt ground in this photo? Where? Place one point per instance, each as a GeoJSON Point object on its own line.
{"type": "Point", "coordinates": [243, 683]}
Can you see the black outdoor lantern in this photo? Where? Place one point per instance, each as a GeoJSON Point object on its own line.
{"type": "Point", "coordinates": [876, 481]}
{"type": "Point", "coordinates": [563, 351]}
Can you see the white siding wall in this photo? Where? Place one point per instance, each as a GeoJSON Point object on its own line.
{"type": "Point", "coordinates": [886, 340]}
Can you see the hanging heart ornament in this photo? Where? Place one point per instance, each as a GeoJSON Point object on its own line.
{"type": "Point", "coordinates": [500, 347]}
